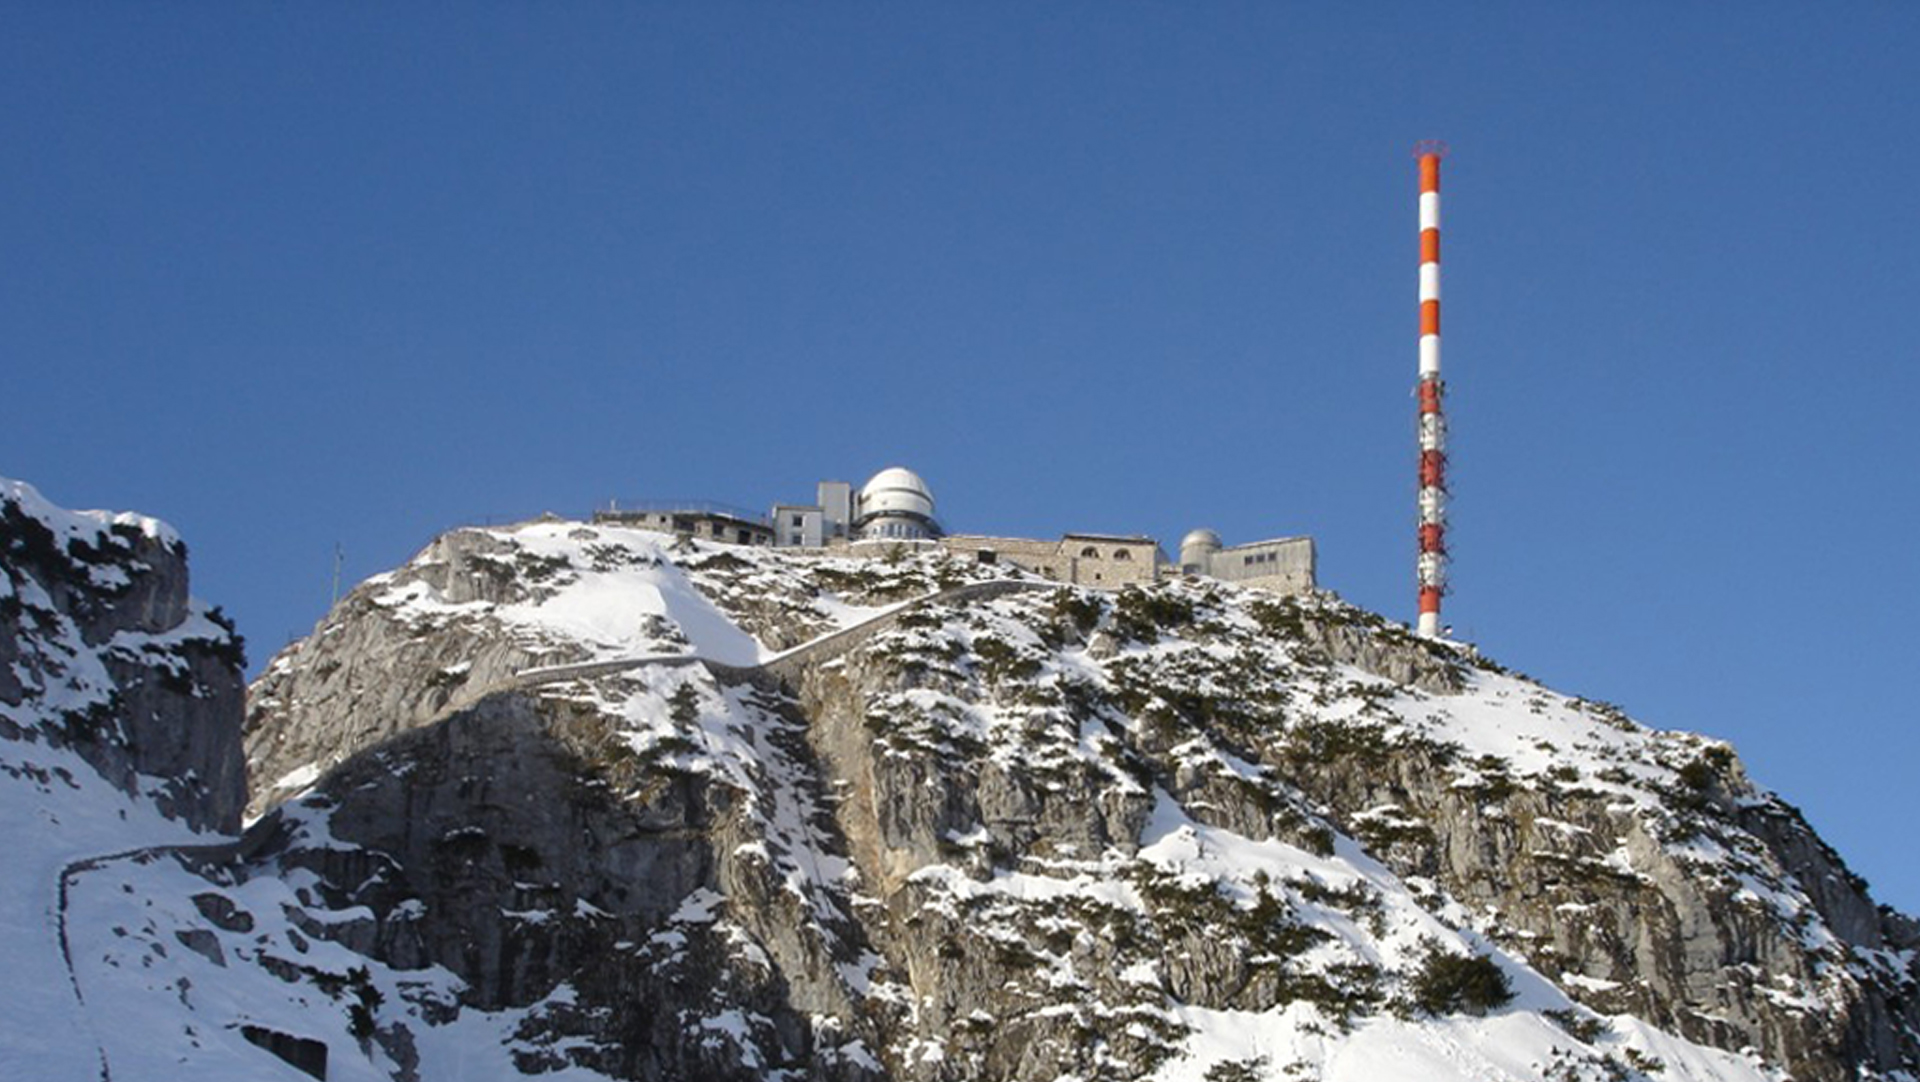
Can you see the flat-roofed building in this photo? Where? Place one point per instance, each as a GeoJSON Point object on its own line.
{"type": "Point", "coordinates": [1284, 565]}
{"type": "Point", "coordinates": [707, 521]}
{"type": "Point", "coordinates": [799, 525]}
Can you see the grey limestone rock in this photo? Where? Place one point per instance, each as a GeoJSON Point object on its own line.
{"type": "Point", "coordinates": [101, 643]}
{"type": "Point", "coordinates": [829, 862]}
{"type": "Point", "coordinates": [371, 670]}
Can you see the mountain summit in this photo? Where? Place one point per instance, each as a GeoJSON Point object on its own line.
{"type": "Point", "coordinates": [591, 802]}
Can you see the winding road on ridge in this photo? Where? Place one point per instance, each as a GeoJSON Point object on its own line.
{"type": "Point", "coordinates": [784, 666]}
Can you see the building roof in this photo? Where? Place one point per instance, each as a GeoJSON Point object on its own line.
{"type": "Point", "coordinates": [1120, 538]}
{"type": "Point", "coordinates": [896, 490]}
{"type": "Point", "coordinates": [1201, 536]}
{"type": "Point", "coordinates": [1270, 541]}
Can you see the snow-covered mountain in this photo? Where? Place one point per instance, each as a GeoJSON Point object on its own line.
{"type": "Point", "coordinates": [588, 802]}
{"type": "Point", "coordinates": [120, 703]}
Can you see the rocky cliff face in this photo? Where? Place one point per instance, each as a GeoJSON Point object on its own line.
{"type": "Point", "coordinates": [1189, 832]}
{"type": "Point", "coordinates": [103, 652]}
{"type": "Point", "coordinates": [1642, 872]}
{"type": "Point", "coordinates": [341, 681]}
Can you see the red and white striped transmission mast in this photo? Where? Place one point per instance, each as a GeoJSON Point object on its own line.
{"type": "Point", "coordinates": [1431, 566]}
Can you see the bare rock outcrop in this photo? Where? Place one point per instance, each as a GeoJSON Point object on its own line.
{"type": "Point", "coordinates": [103, 650]}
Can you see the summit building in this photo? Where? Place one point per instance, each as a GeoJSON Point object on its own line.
{"type": "Point", "coordinates": [895, 507]}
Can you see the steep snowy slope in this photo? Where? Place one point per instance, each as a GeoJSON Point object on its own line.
{"type": "Point", "coordinates": [119, 728]}
{"type": "Point", "coordinates": [134, 945]}
{"type": "Point", "coordinates": [1015, 832]}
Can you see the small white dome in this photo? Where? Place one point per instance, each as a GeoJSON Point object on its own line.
{"type": "Point", "coordinates": [1201, 538]}
{"type": "Point", "coordinates": [896, 491]}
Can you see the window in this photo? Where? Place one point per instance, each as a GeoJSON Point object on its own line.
{"type": "Point", "coordinates": [987, 556]}
{"type": "Point", "coordinates": [1122, 554]}
{"type": "Point", "coordinates": [1090, 553]}
{"type": "Point", "coordinates": [798, 522]}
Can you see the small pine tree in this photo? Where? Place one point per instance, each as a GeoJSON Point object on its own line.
{"type": "Point", "coordinates": [1451, 983]}
{"type": "Point", "coordinates": [684, 706]}
{"type": "Point", "coordinates": [1239, 1070]}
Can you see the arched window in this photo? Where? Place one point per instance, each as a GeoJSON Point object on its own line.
{"type": "Point", "coordinates": [1090, 553]}
{"type": "Point", "coordinates": [1122, 554]}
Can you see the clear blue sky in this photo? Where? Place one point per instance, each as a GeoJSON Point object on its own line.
{"type": "Point", "coordinates": [296, 275]}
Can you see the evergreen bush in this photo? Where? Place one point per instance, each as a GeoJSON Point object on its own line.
{"type": "Point", "coordinates": [1451, 983]}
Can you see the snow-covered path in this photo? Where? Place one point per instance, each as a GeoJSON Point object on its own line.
{"type": "Point", "coordinates": [784, 664]}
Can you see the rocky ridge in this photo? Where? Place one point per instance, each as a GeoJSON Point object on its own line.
{"type": "Point", "coordinates": [1187, 832]}
{"type": "Point", "coordinates": [104, 653]}
{"type": "Point", "coordinates": [997, 793]}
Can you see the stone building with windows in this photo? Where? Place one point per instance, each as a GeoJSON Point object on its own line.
{"type": "Point", "coordinates": [1084, 559]}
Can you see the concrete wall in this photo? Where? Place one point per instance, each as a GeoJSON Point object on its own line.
{"type": "Point", "coordinates": [787, 666]}
{"type": "Point", "coordinates": [836, 504]}
{"type": "Point", "coordinates": [1039, 557]}
{"type": "Point", "coordinates": [1096, 560]}
{"type": "Point", "coordinates": [1284, 565]}
{"type": "Point", "coordinates": [1109, 563]}
{"type": "Point", "coordinates": [784, 667]}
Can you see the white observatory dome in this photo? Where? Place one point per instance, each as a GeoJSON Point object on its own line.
{"type": "Point", "coordinates": [1197, 550]}
{"type": "Point", "coordinates": [1202, 538]}
{"type": "Point", "coordinates": [896, 491]}
{"type": "Point", "coordinates": [895, 506]}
